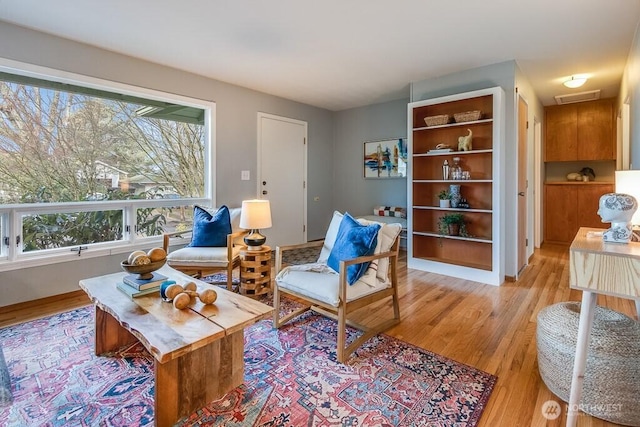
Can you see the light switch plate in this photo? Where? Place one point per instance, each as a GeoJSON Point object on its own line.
{"type": "Point", "coordinates": [245, 175]}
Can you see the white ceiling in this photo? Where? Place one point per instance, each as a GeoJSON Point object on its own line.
{"type": "Point", "coordinates": [339, 54]}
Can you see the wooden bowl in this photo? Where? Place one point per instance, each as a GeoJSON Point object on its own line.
{"type": "Point", "coordinates": [143, 271]}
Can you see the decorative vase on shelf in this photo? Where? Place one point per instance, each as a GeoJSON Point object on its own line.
{"type": "Point", "coordinates": [454, 190]}
{"type": "Point", "coordinates": [446, 203]}
{"type": "Point", "coordinates": [456, 169]}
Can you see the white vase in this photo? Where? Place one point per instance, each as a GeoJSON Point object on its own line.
{"type": "Point", "coordinates": [445, 203]}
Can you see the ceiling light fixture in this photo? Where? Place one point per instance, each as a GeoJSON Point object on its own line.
{"type": "Point", "coordinates": [575, 81]}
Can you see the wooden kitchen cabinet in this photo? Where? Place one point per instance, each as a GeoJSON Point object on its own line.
{"type": "Point", "coordinates": [580, 131]}
{"type": "Point", "coordinates": [569, 206]}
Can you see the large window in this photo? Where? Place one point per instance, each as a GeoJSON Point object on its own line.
{"type": "Point", "coordinates": [85, 168]}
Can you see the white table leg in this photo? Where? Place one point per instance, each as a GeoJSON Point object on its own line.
{"type": "Point", "coordinates": [587, 310]}
{"type": "Point", "coordinates": [637, 309]}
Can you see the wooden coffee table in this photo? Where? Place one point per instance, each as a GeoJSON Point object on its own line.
{"type": "Point", "coordinates": [198, 351]}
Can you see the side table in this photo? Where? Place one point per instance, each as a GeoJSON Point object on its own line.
{"type": "Point", "coordinates": [255, 271]}
{"type": "Point", "coordinates": [597, 267]}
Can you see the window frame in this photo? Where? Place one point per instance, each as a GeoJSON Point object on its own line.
{"type": "Point", "coordinates": [11, 257]}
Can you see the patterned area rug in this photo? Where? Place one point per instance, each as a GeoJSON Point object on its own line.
{"type": "Point", "coordinates": [291, 379]}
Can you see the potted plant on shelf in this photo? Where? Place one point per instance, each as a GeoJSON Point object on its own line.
{"type": "Point", "coordinates": [445, 199]}
{"type": "Point", "coordinates": [452, 224]}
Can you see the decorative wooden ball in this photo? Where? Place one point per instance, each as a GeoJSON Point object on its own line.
{"type": "Point", "coordinates": [208, 296]}
{"type": "Point", "coordinates": [156, 254]}
{"type": "Point", "coordinates": [190, 286]}
{"type": "Point", "coordinates": [172, 291]}
{"type": "Point", "coordinates": [181, 301]}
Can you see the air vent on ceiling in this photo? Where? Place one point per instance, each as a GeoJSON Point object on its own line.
{"type": "Point", "coordinates": [591, 95]}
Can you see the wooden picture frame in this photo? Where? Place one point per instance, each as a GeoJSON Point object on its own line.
{"type": "Point", "coordinates": [385, 158]}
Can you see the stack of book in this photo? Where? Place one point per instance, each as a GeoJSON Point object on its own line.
{"type": "Point", "coordinates": [134, 287]}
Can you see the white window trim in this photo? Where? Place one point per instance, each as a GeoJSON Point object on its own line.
{"type": "Point", "coordinates": [11, 262]}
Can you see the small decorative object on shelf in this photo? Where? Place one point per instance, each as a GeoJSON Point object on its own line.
{"type": "Point", "coordinates": [445, 170]}
{"type": "Point", "coordinates": [467, 116]}
{"type": "Point", "coordinates": [452, 224]}
{"type": "Point", "coordinates": [456, 169]}
{"type": "Point", "coordinates": [454, 191]}
{"type": "Point", "coordinates": [464, 142]}
{"type": "Point", "coordinates": [463, 204]}
{"type": "Point", "coordinates": [438, 120]}
{"type": "Point", "coordinates": [445, 199]}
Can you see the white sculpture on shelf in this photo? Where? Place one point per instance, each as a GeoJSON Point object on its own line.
{"type": "Point", "coordinates": [618, 209]}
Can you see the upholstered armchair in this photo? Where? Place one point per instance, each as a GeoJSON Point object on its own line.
{"type": "Point", "coordinates": [215, 244]}
{"type": "Point", "coordinates": [352, 272]}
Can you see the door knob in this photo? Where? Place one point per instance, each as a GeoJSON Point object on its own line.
{"type": "Point", "coordinates": [521, 193]}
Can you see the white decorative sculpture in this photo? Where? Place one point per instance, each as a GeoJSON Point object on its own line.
{"type": "Point", "coordinates": [618, 209]}
{"type": "Point", "coordinates": [464, 142]}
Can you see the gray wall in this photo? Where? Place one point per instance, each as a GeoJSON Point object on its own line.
{"type": "Point", "coordinates": [353, 127]}
{"type": "Point", "coordinates": [236, 127]}
{"type": "Point", "coordinates": [503, 75]}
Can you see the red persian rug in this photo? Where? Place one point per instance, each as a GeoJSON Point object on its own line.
{"type": "Point", "coordinates": [291, 379]}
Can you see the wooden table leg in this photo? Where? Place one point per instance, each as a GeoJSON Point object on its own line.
{"type": "Point", "coordinates": [194, 379]}
{"type": "Point", "coordinates": [587, 309]}
{"type": "Point", "coordinates": [110, 335]}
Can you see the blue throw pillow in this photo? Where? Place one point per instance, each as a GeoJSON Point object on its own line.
{"type": "Point", "coordinates": [353, 240]}
{"type": "Point", "coordinates": [210, 230]}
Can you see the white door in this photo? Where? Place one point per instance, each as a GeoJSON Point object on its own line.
{"type": "Point", "coordinates": [282, 175]}
{"type": "Point", "coordinates": [523, 125]}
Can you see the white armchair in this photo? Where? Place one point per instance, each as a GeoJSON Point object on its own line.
{"type": "Point", "coordinates": [329, 292]}
{"type": "Point", "coordinates": [201, 261]}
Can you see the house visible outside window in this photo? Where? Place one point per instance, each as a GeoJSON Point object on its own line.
{"type": "Point", "coordinates": [85, 169]}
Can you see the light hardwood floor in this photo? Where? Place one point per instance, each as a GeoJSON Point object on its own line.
{"type": "Point", "coordinates": [490, 328]}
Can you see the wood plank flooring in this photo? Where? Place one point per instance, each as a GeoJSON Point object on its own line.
{"type": "Point", "coordinates": [490, 328]}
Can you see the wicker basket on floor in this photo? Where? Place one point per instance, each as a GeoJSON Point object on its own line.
{"type": "Point", "coordinates": [611, 387]}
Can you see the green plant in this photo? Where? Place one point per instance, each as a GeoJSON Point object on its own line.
{"type": "Point", "coordinates": [444, 195]}
{"type": "Point", "coordinates": [452, 219]}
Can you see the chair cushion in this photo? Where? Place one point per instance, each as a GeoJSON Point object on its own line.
{"type": "Point", "coordinates": [200, 256]}
{"type": "Point", "coordinates": [353, 240]}
{"type": "Point", "coordinates": [386, 237]}
{"type": "Point", "coordinates": [320, 282]}
{"type": "Point", "coordinates": [330, 237]}
{"type": "Point", "coordinates": [210, 230]}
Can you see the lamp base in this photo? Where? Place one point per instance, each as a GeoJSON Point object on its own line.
{"type": "Point", "coordinates": [254, 240]}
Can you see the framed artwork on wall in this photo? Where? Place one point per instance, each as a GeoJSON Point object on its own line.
{"type": "Point", "coordinates": [385, 158]}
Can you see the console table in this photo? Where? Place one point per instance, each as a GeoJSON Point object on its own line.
{"type": "Point", "coordinates": [596, 268]}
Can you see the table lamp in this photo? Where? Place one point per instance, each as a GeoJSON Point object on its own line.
{"type": "Point", "coordinates": [628, 182]}
{"type": "Point", "coordinates": [255, 215]}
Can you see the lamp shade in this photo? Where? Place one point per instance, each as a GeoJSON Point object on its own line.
{"type": "Point", "coordinates": [256, 214]}
{"type": "Point", "coordinates": [628, 182]}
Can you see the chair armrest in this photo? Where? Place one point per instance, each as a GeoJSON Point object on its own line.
{"type": "Point", "coordinates": [233, 239]}
{"type": "Point", "coordinates": [392, 254]}
{"type": "Point", "coordinates": [281, 249]}
{"type": "Point", "coordinates": [167, 236]}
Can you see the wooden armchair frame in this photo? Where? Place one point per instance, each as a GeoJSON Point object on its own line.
{"type": "Point", "coordinates": [199, 271]}
{"type": "Point", "coordinates": [344, 308]}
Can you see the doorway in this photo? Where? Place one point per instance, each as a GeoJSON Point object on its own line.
{"type": "Point", "coordinates": [282, 176]}
{"type": "Point", "coordinates": [523, 125]}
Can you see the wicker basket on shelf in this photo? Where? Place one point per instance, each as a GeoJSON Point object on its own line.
{"type": "Point", "coordinates": [467, 116]}
{"type": "Point", "coordinates": [442, 119]}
